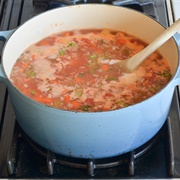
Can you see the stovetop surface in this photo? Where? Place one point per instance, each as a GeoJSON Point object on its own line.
{"type": "Point", "coordinates": [20, 161]}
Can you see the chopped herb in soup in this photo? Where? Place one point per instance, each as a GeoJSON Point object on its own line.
{"type": "Point", "coordinates": [79, 71]}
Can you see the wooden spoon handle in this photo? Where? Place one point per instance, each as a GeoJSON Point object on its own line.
{"type": "Point", "coordinates": [133, 62]}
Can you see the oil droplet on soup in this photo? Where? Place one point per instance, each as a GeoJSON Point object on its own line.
{"type": "Point", "coordinates": [78, 70]}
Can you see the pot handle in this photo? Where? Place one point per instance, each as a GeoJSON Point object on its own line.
{"type": "Point", "coordinates": [177, 38]}
{"type": "Point", "coordinates": [2, 74]}
{"type": "Point", "coordinates": [4, 35]}
{"type": "Point", "coordinates": [176, 80]}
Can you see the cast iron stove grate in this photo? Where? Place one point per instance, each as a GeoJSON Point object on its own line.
{"type": "Point", "coordinates": [22, 157]}
{"type": "Point", "coordinates": [91, 165]}
{"type": "Point", "coordinates": [133, 4]}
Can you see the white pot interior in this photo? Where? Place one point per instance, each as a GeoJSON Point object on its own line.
{"type": "Point", "coordinates": [83, 17]}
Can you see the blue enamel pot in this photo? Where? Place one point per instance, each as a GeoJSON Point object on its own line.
{"type": "Point", "coordinates": [89, 134]}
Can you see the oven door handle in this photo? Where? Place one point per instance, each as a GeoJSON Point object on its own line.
{"type": "Point", "coordinates": [5, 35]}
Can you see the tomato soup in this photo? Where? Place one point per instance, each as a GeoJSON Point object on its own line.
{"type": "Point", "coordinates": [79, 70]}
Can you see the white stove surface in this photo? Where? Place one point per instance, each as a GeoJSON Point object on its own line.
{"type": "Point", "coordinates": [176, 15]}
{"type": "Point", "coordinates": [176, 9]}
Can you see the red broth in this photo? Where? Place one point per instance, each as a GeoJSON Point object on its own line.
{"type": "Point", "coordinates": [79, 71]}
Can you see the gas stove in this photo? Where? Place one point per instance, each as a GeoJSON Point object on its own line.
{"type": "Point", "coordinates": [22, 158]}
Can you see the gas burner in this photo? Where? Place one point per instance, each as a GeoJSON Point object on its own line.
{"type": "Point", "coordinates": [66, 2]}
{"type": "Point", "coordinates": [142, 6]}
{"type": "Point", "coordinates": [90, 165]}
{"type": "Point", "coordinates": [51, 164]}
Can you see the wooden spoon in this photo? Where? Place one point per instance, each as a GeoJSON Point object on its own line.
{"type": "Point", "coordinates": [130, 64]}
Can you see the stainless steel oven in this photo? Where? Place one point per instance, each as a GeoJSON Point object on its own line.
{"type": "Point", "coordinates": [20, 157]}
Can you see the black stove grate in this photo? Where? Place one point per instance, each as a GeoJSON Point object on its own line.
{"type": "Point", "coordinates": [90, 165]}
{"type": "Point", "coordinates": [142, 6]}
{"type": "Point", "coordinates": [20, 157]}
{"type": "Point", "coordinates": [18, 160]}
